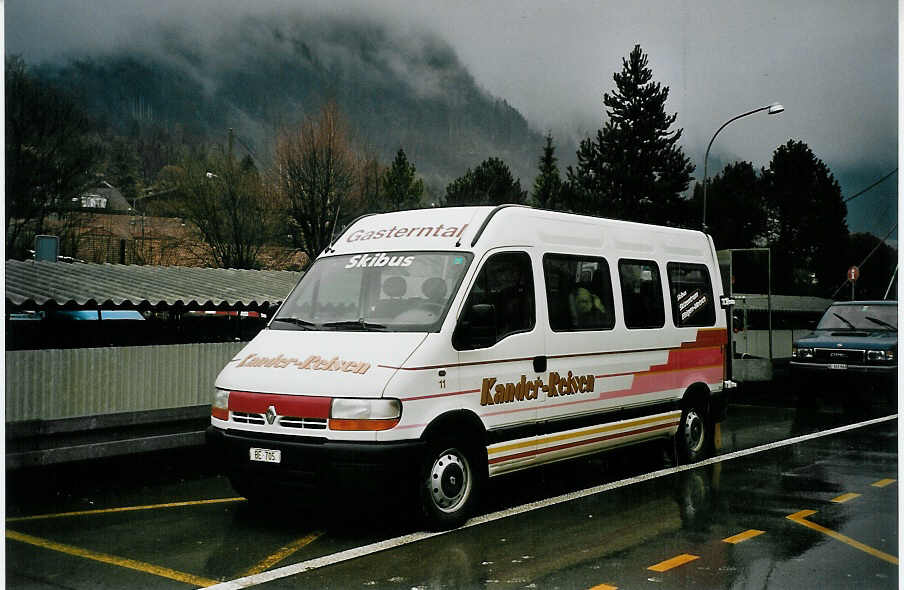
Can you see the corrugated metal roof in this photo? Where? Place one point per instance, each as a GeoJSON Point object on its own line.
{"type": "Point", "coordinates": [31, 284]}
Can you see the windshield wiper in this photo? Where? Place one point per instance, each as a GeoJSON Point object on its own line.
{"type": "Point", "coordinates": [881, 323]}
{"type": "Point", "coordinates": [359, 324]}
{"type": "Point", "coordinates": [852, 326]}
{"type": "Point", "coordinates": [302, 323]}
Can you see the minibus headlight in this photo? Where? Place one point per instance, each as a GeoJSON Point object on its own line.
{"type": "Point", "coordinates": [364, 414]}
{"type": "Point", "coordinates": [220, 406]}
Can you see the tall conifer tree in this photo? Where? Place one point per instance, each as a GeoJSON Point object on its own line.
{"type": "Point", "coordinates": [548, 183]}
{"type": "Point", "coordinates": [402, 188]}
{"type": "Point", "coordinates": [634, 168]}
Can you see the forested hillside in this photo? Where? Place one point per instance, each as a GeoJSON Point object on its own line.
{"type": "Point", "coordinates": [264, 74]}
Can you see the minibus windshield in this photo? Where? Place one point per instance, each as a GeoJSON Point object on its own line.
{"type": "Point", "coordinates": [377, 291]}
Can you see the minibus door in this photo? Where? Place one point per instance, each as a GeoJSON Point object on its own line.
{"type": "Point", "coordinates": [502, 355]}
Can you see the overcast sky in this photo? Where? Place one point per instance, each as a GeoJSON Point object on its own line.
{"type": "Point", "coordinates": [833, 64]}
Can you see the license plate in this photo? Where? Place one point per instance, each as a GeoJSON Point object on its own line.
{"type": "Point", "coordinates": [265, 455]}
{"type": "Point", "coordinates": [838, 366]}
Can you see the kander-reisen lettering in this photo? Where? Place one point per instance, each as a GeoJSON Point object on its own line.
{"type": "Point", "coordinates": [312, 363]}
{"type": "Point", "coordinates": [492, 393]}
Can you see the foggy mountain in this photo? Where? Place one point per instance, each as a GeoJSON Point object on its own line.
{"type": "Point", "coordinates": [263, 73]}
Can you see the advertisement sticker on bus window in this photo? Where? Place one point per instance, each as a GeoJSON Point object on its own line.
{"type": "Point", "coordinates": [690, 302]}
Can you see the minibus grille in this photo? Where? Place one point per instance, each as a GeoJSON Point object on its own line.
{"type": "Point", "coordinates": [312, 423]}
{"type": "Point", "coordinates": [246, 418]}
{"type": "Point", "coordinates": [285, 421]}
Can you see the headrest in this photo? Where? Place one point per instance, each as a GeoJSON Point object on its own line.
{"type": "Point", "coordinates": [434, 288]}
{"type": "Point", "coordinates": [395, 286]}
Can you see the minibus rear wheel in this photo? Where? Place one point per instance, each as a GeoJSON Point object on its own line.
{"type": "Point", "coordinates": [694, 434]}
{"type": "Point", "coordinates": [449, 484]}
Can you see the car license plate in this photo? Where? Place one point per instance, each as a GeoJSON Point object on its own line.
{"type": "Point", "coordinates": [838, 366]}
{"type": "Point", "coordinates": [265, 455]}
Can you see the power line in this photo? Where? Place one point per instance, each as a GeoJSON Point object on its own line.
{"type": "Point", "coordinates": [873, 251]}
{"type": "Point", "coordinates": [870, 186]}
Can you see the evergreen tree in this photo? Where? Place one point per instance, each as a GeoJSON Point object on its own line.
{"type": "Point", "coordinates": [401, 187]}
{"type": "Point", "coordinates": [548, 183]}
{"type": "Point", "coordinates": [737, 209]}
{"type": "Point", "coordinates": [806, 226]}
{"type": "Point", "coordinates": [634, 168]}
{"type": "Point", "coordinates": [491, 183]}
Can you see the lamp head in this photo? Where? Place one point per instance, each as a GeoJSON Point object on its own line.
{"type": "Point", "coordinates": [776, 109]}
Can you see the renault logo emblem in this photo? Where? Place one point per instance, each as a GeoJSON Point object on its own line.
{"type": "Point", "coordinates": [271, 414]}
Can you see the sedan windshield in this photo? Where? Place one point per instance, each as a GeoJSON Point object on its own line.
{"type": "Point", "coordinates": [870, 317]}
{"type": "Point", "coordinates": [382, 291]}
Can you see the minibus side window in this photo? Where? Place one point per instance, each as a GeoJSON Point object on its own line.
{"type": "Point", "coordinates": [500, 303]}
{"type": "Point", "coordinates": [692, 295]}
{"type": "Point", "coordinates": [641, 294]}
{"type": "Point", "coordinates": [578, 293]}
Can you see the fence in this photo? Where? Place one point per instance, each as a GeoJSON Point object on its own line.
{"type": "Point", "coordinates": [65, 383]}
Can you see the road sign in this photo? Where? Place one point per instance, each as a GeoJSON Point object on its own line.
{"type": "Point", "coordinates": [853, 274]}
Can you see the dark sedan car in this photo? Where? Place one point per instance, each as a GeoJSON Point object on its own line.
{"type": "Point", "coordinates": [854, 339]}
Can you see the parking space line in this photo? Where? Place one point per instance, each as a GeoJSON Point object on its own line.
{"type": "Point", "coordinates": [741, 537]}
{"type": "Point", "coordinates": [801, 518]}
{"type": "Point", "coordinates": [603, 587]}
{"type": "Point", "coordinates": [281, 554]}
{"type": "Point", "coordinates": [132, 564]}
{"type": "Point", "coordinates": [845, 498]}
{"type": "Point", "coordinates": [678, 560]}
{"type": "Point", "coordinates": [125, 509]}
{"type": "Point", "coordinates": [883, 482]}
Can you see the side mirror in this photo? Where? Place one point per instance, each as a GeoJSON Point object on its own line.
{"type": "Point", "coordinates": [477, 328]}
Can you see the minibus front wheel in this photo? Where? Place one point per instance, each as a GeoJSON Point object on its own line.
{"type": "Point", "coordinates": [694, 434]}
{"type": "Point", "coordinates": [449, 485]}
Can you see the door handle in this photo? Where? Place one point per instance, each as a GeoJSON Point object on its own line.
{"type": "Point", "coordinates": [539, 364]}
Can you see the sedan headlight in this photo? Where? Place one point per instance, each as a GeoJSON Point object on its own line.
{"type": "Point", "coordinates": [801, 352]}
{"type": "Point", "coordinates": [880, 355]}
{"type": "Point", "coordinates": [364, 414]}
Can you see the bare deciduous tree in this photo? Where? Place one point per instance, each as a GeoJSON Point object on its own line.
{"type": "Point", "coordinates": [316, 171]}
{"type": "Point", "coordinates": [226, 201]}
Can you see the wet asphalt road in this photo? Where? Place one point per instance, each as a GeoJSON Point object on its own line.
{"type": "Point", "coordinates": [167, 521]}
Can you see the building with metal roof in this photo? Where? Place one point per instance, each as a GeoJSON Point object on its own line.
{"type": "Point", "coordinates": [49, 285]}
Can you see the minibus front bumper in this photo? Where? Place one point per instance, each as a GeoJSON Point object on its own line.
{"type": "Point", "coordinates": [314, 463]}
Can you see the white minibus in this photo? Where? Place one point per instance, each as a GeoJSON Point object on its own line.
{"type": "Point", "coordinates": [437, 348]}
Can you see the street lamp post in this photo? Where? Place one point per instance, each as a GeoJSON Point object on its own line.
{"type": "Point", "coordinates": [774, 109]}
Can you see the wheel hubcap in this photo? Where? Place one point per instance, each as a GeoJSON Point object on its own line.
{"type": "Point", "coordinates": [449, 480]}
{"type": "Point", "coordinates": [693, 431]}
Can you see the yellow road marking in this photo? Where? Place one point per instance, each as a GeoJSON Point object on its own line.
{"type": "Point", "coordinates": [882, 483]}
{"type": "Point", "coordinates": [800, 518]}
{"type": "Point", "coordinates": [674, 562]}
{"type": "Point", "coordinates": [604, 587]}
{"type": "Point", "coordinates": [845, 497]}
{"type": "Point", "coordinates": [125, 509]}
{"type": "Point", "coordinates": [741, 537]}
{"type": "Point", "coordinates": [281, 554]}
{"type": "Point", "coordinates": [132, 564]}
